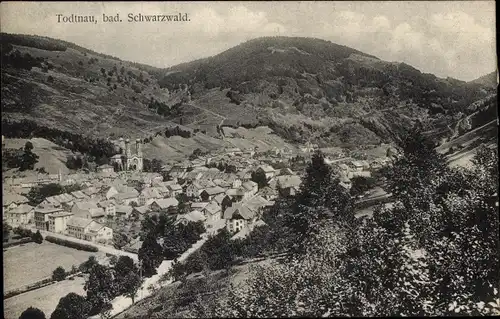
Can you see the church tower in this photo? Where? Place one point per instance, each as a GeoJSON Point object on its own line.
{"type": "Point", "coordinates": [138, 153]}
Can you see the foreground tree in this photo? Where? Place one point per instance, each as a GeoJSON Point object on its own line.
{"type": "Point", "coordinates": [59, 274]}
{"type": "Point", "coordinates": [320, 198]}
{"type": "Point", "coordinates": [32, 313]}
{"type": "Point", "coordinates": [71, 306]}
{"type": "Point", "coordinates": [100, 288]}
{"type": "Point", "coordinates": [151, 255]}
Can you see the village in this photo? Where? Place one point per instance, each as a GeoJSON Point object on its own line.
{"type": "Point", "coordinates": [123, 192]}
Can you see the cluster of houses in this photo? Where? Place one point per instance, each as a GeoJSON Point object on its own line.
{"type": "Point", "coordinates": [217, 198]}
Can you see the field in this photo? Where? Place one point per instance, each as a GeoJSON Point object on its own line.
{"type": "Point", "coordinates": [46, 298]}
{"type": "Point", "coordinates": [32, 262]}
{"type": "Point", "coordinates": [51, 156]}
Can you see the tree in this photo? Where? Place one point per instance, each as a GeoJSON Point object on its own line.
{"type": "Point", "coordinates": [151, 255]}
{"type": "Point", "coordinates": [87, 265]}
{"type": "Point", "coordinates": [28, 146]}
{"type": "Point", "coordinates": [100, 288]}
{"type": "Point", "coordinates": [6, 232]}
{"type": "Point", "coordinates": [36, 195]}
{"type": "Point", "coordinates": [71, 306]}
{"type": "Point", "coordinates": [260, 178]}
{"type": "Point", "coordinates": [361, 184]}
{"type": "Point", "coordinates": [37, 237]}
{"type": "Point", "coordinates": [32, 313]}
{"type": "Point", "coordinates": [320, 198]}
{"type": "Point", "coordinates": [131, 284]}
{"type": "Point", "coordinates": [59, 274]}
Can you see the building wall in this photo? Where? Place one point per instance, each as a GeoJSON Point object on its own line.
{"type": "Point", "coordinates": [235, 225]}
{"type": "Point", "coordinates": [41, 220]}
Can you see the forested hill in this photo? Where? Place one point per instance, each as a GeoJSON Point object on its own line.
{"type": "Point", "coordinates": [304, 89]}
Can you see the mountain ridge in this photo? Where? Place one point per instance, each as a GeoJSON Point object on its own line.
{"type": "Point", "coordinates": [304, 89]}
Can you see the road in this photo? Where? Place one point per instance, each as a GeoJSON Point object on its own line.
{"type": "Point", "coordinates": [102, 248]}
{"type": "Point", "coordinates": [122, 303]}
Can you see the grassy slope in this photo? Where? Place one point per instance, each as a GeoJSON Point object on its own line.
{"type": "Point", "coordinates": [51, 156]}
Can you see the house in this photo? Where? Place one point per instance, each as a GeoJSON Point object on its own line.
{"type": "Point", "coordinates": [117, 189]}
{"type": "Point", "coordinates": [58, 221]}
{"type": "Point", "coordinates": [268, 193]}
{"type": "Point", "coordinates": [268, 170]}
{"type": "Point", "coordinates": [12, 200]}
{"type": "Point", "coordinates": [88, 229]}
{"type": "Point", "coordinates": [174, 189]}
{"type": "Point", "coordinates": [251, 187]}
{"type": "Point", "coordinates": [193, 216]}
{"type": "Point", "coordinates": [359, 165]}
{"type": "Point", "coordinates": [91, 192]}
{"type": "Point", "coordinates": [288, 185]}
{"type": "Point", "coordinates": [209, 193]}
{"type": "Point", "coordinates": [285, 171]}
{"type": "Point", "coordinates": [79, 196]}
{"type": "Point", "coordinates": [42, 217]}
{"type": "Point", "coordinates": [134, 246]}
{"type": "Point", "coordinates": [212, 211]}
{"type": "Point", "coordinates": [126, 198]}
{"type": "Point", "coordinates": [245, 213]}
{"type": "Point", "coordinates": [163, 204]}
{"type": "Point", "coordinates": [245, 231]}
{"type": "Point", "coordinates": [139, 212]}
{"type": "Point", "coordinates": [109, 207]}
{"type": "Point", "coordinates": [88, 210]}
{"type": "Point", "coordinates": [199, 205]}
{"type": "Point", "coordinates": [148, 195]}
{"type": "Point", "coordinates": [123, 211]}
{"type": "Point", "coordinates": [195, 188]}
{"type": "Point", "coordinates": [105, 169]}
{"type": "Point", "coordinates": [21, 215]}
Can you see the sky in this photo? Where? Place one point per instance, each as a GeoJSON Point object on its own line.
{"type": "Point", "coordinates": [447, 38]}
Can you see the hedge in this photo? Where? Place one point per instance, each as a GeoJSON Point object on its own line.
{"type": "Point", "coordinates": [36, 285]}
{"type": "Point", "coordinates": [18, 242]}
{"type": "Point", "coordinates": [71, 244]}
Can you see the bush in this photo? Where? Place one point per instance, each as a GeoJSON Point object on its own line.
{"type": "Point", "coordinates": [59, 274]}
{"type": "Point", "coordinates": [19, 242]}
{"type": "Point", "coordinates": [71, 244]}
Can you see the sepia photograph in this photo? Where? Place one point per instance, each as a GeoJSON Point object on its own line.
{"type": "Point", "coordinates": [249, 159]}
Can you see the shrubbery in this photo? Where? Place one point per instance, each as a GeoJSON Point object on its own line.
{"type": "Point", "coordinates": [71, 244]}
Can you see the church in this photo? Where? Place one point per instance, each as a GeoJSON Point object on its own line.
{"type": "Point", "coordinates": [129, 160]}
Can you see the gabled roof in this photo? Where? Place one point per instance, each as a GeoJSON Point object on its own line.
{"type": "Point", "coordinates": [199, 205]}
{"type": "Point", "coordinates": [79, 222]}
{"type": "Point", "coordinates": [95, 227]}
{"type": "Point", "coordinates": [192, 216]}
{"type": "Point", "coordinates": [286, 181]}
{"type": "Point", "coordinates": [22, 209]}
{"type": "Point", "coordinates": [85, 205]}
{"type": "Point", "coordinates": [150, 193]}
{"type": "Point", "coordinates": [10, 198]}
{"type": "Point", "coordinates": [47, 210]}
{"type": "Point", "coordinates": [106, 203]}
{"type": "Point", "coordinates": [128, 195]}
{"type": "Point", "coordinates": [214, 190]}
{"type": "Point", "coordinates": [249, 185]}
{"type": "Point", "coordinates": [141, 209]}
{"type": "Point", "coordinates": [166, 202]}
{"type": "Point", "coordinates": [219, 198]}
{"type": "Point", "coordinates": [236, 192]}
{"type": "Point", "coordinates": [174, 187]}
{"type": "Point", "coordinates": [266, 168]}
{"type": "Point", "coordinates": [267, 191]}
{"type": "Point", "coordinates": [123, 209]}
{"type": "Point", "coordinates": [212, 208]}
{"type": "Point", "coordinates": [79, 195]}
